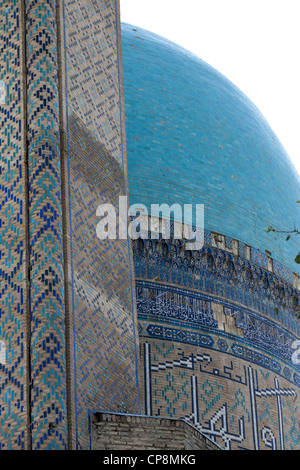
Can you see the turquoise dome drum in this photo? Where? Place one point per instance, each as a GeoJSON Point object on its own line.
{"type": "Point", "coordinates": [193, 137]}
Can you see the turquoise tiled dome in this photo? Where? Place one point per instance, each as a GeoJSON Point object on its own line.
{"type": "Point", "coordinates": [193, 137]}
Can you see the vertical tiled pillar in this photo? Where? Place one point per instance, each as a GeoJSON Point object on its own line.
{"type": "Point", "coordinates": [102, 328]}
{"type": "Point", "coordinates": [47, 341]}
{"type": "Point", "coordinates": [14, 362]}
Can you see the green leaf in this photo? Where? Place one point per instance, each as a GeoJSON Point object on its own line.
{"type": "Point", "coordinates": [297, 259]}
{"type": "Point", "coordinates": [288, 237]}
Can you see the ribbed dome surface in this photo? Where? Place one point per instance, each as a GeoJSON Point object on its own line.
{"type": "Point", "coordinates": [193, 137]}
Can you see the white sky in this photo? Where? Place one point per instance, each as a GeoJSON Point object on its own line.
{"type": "Point", "coordinates": [254, 43]}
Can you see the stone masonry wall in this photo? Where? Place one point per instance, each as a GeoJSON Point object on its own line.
{"type": "Point", "coordinates": [132, 432]}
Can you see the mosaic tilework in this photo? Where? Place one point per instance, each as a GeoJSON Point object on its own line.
{"type": "Point", "coordinates": [173, 303]}
{"type": "Point", "coordinates": [236, 382]}
{"type": "Point", "coordinates": [105, 375]}
{"type": "Point", "coordinates": [236, 404]}
{"type": "Point", "coordinates": [48, 373]}
{"type": "Point", "coordinates": [282, 271]}
{"type": "Point", "coordinates": [159, 303]}
{"type": "Point", "coordinates": [259, 258]}
{"type": "Point", "coordinates": [220, 273]}
{"type": "Point", "coordinates": [13, 269]}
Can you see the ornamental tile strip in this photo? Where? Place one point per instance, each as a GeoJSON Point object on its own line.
{"type": "Point", "coordinates": [48, 369]}
{"type": "Point", "coordinates": [14, 370]}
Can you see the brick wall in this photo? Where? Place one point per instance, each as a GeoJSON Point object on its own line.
{"type": "Point", "coordinates": [133, 432]}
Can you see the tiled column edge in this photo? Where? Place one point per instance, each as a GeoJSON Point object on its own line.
{"type": "Point", "coordinates": [125, 173]}
{"type": "Point", "coordinates": [26, 267]}
{"type": "Point", "coordinates": [66, 222]}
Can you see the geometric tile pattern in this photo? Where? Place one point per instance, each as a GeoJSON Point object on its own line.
{"type": "Point", "coordinates": [104, 329]}
{"type": "Point", "coordinates": [237, 404]}
{"type": "Point", "coordinates": [155, 300]}
{"type": "Point", "coordinates": [13, 246]}
{"type": "Point", "coordinates": [259, 258]}
{"type": "Point", "coordinates": [231, 399]}
{"type": "Point", "coordinates": [47, 338]}
{"type": "Point", "coordinates": [282, 271]}
{"type": "Point", "coordinates": [158, 302]}
{"type": "Point", "coordinates": [240, 387]}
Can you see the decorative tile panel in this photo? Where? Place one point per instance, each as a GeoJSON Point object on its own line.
{"type": "Point", "coordinates": [62, 155]}
{"type": "Point", "coordinates": [47, 339]}
{"type": "Point", "coordinates": [239, 386]}
{"type": "Point", "coordinates": [14, 370]}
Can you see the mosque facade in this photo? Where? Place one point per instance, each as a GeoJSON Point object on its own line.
{"type": "Point", "coordinates": [92, 112]}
